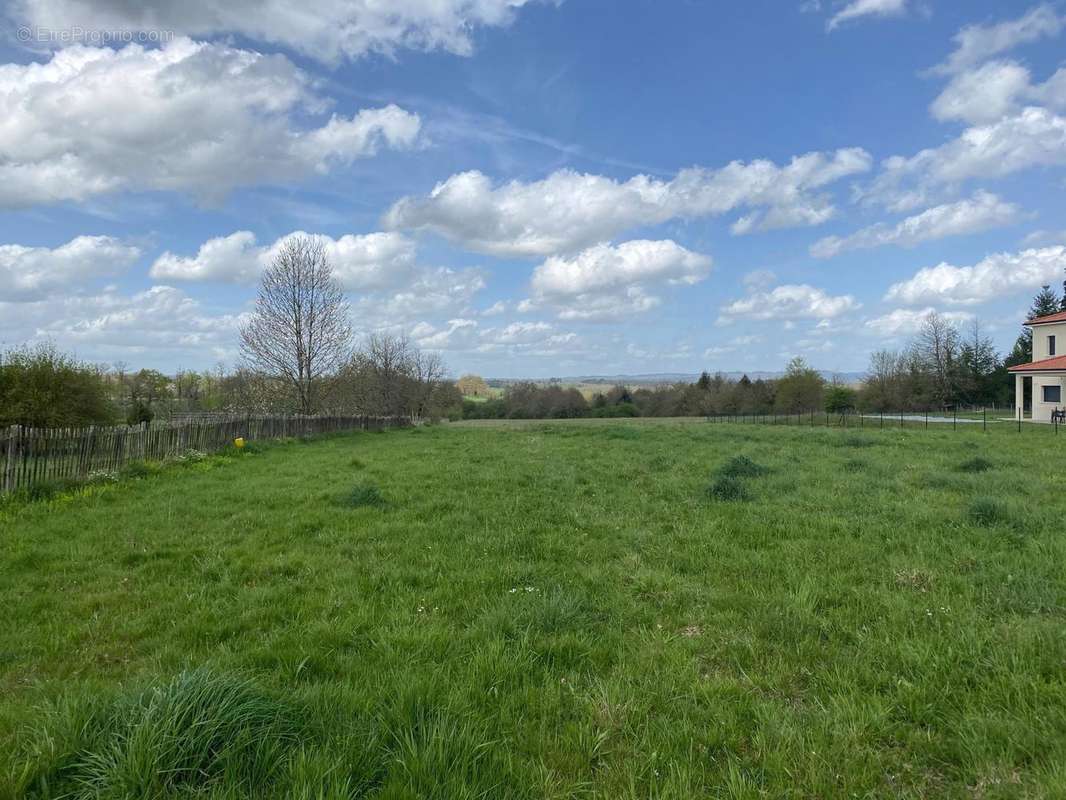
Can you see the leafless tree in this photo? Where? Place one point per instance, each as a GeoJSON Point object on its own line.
{"type": "Point", "coordinates": [937, 344]}
{"type": "Point", "coordinates": [300, 330]}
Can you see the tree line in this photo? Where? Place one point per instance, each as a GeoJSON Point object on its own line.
{"type": "Point", "coordinates": [298, 355]}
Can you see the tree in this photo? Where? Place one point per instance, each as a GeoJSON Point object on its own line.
{"type": "Point", "coordinates": [978, 371]}
{"type": "Point", "coordinates": [1044, 303]}
{"type": "Point", "coordinates": [473, 386]}
{"type": "Point", "coordinates": [937, 349]}
{"type": "Point", "coordinates": [839, 399]}
{"type": "Point", "coordinates": [300, 329]}
{"type": "Point", "coordinates": [800, 389]}
{"type": "Point", "coordinates": [43, 388]}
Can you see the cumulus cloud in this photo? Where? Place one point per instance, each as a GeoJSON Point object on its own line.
{"type": "Point", "coordinates": [610, 281]}
{"type": "Point", "coordinates": [194, 117]}
{"type": "Point", "coordinates": [518, 339]}
{"type": "Point", "coordinates": [32, 273]}
{"type": "Point", "coordinates": [907, 321]}
{"type": "Point", "coordinates": [996, 90]}
{"type": "Point", "coordinates": [992, 277]}
{"type": "Point", "coordinates": [327, 30]}
{"type": "Point", "coordinates": [867, 8]}
{"type": "Point", "coordinates": [360, 262]}
{"type": "Point", "coordinates": [788, 302]}
{"type": "Point", "coordinates": [981, 212]}
{"type": "Point", "coordinates": [160, 326]}
{"type": "Point", "coordinates": [1035, 137]}
{"type": "Point", "coordinates": [977, 43]}
{"type": "Point", "coordinates": [438, 290]}
{"type": "Point", "coordinates": [568, 210]}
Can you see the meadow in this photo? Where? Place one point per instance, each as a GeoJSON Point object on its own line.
{"type": "Point", "coordinates": [588, 609]}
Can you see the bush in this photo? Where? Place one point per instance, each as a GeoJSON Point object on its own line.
{"type": "Point", "coordinates": [363, 495]}
{"type": "Point", "coordinates": [987, 511]}
{"type": "Point", "coordinates": [976, 464]}
{"type": "Point", "coordinates": [185, 737]}
{"type": "Point", "coordinates": [43, 388]}
{"type": "Point", "coordinates": [742, 467]}
{"type": "Point", "coordinates": [728, 489]}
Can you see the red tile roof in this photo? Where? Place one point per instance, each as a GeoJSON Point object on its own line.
{"type": "Point", "coordinates": [1059, 317]}
{"type": "Point", "coordinates": [1056, 364]}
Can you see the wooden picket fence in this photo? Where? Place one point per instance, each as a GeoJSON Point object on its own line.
{"type": "Point", "coordinates": [37, 455]}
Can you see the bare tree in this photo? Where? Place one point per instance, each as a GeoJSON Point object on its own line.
{"type": "Point", "coordinates": [300, 330]}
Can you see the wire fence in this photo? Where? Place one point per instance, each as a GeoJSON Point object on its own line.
{"type": "Point", "coordinates": [31, 456]}
{"type": "Point", "coordinates": [982, 419]}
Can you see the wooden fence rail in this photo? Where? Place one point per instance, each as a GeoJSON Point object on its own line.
{"type": "Point", "coordinates": [37, 455]}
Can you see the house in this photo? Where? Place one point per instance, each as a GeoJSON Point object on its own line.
{"type": "Point", "coordinates": [1047, 370]}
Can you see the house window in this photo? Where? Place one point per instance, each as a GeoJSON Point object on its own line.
{"type": "Point", "coordinates": [1052, 394]}
{"type": "Point", "coordinates": [1051, 345]}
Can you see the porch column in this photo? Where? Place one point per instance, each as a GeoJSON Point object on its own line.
{"type": "Point", "coordinates": [1019, 395]}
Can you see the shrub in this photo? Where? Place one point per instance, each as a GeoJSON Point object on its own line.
{"type": "Point", "coordinates": [976, 464]}
{"type": "Point", "coordinates": [987, 511]}
{"type": "Point", "coordinates": [363, 495]}
{"type": "Point", "coordinates": [185, 737]}
{"type": "Point", "coordinates": [742, 467]}
{"type": "Point", "coordinates": [727, 489]}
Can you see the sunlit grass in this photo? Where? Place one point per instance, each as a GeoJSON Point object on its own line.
{"type": "Point", "coordinates": [547, 610]}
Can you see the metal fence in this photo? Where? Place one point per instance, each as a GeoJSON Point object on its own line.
{"type": "Point", "coordinates": [980, 419]}
{"type": "Point", "coordinates": [36, 455]}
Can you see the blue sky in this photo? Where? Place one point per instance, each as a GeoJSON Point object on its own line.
{"type": "Point", "coordinates": [534, 188]}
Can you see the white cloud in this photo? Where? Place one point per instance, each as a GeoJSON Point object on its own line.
{"type": "Point", "coordinates": [977, 43]}
{"type": "Point", "coordinates": [1035, 137]}
{"type": "Point", "coordinates": [867, 8]}
{"type": "Point", "coordinates": [518, 339]}
{"type": "Point", "coordinates": [996, 90]}
{"type": "Point", "coordinates": [360, 262]}
{"type": "Point", "coordinates": [607, 281]}
{"type": "Point", "coordinates": [906, 321]}
{"type": "Point", "coordinates": [992, 277]}
{"type": "Point", "coordinates": [982, 95]}
{"type": "Point", "coordinates": [32, 273]}
{"type": "Point", "coordinates": [981, 212]}
{"type": "Point", "coordinates": [161, 326]}
{"type": "Point", "coordinates": [195, 117]}
{"type": "Point", "coordinates": [568, 210]}
{"type": "Point", "coordinates": [789, 301]}
{"type": "Point", "coordinates": [1042, 237]}
{"type": "Point", "coordinates": [431, 291]}
{"type": "Point", "coordinates": [327, 30]}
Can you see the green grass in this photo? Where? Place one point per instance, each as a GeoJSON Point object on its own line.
{"type": "Point", "coordinates": [546, 611]}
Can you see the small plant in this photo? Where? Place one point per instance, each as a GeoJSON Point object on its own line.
{"type": "Point", "coordinates": [742, 467]}
{"type": "Point", "coordinates": [987, 511]}
{"type": "Point", "coordinates": [363, 495]}
{"type": "Point", "coordinates": [976, 464]}
{"type": "Point", "coordinates": [135, 469]}
{"type": "Point", "coordinates": [728, 489]}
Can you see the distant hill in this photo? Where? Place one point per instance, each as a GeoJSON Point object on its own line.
{"type": "Point", "coordinates": [656, 378]}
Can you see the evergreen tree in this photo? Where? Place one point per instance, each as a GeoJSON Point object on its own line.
{"type": "Point", "coordinates": [1044, 303]}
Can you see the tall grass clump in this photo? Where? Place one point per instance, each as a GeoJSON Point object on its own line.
{"type": "Point", "coordinates": [976, 464]}
{"type": "Point", "coordinates": [742, 467]}
{"type": "Point", "coordinates": [363, 495]}
{"type": "Point", "coordinates": [726, 488]}
{"type": "Point", "coordinates": [201, 731]}
{"type": "Point", "coordinates": [987, 511]}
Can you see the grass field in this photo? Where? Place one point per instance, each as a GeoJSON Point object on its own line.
{"type": "Point", "coordinates": [622, 609]}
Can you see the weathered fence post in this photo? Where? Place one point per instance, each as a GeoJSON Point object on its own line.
{"type": "Point", "coordinates": [9, 463]}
